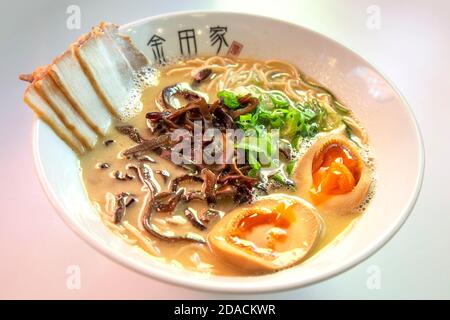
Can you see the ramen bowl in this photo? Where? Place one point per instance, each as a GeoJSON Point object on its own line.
{"type": "Point", "coordinates": [393, 133]}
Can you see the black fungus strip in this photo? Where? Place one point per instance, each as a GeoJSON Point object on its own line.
{"type": "Point", "coordinates": [226, 190]}
{"type": "Point", "coordinates": [145, 159]}
{"type": "Point", "coordinates": [187, 177]}
{"type": "Point", "coordinates": [251, 104]}
{"type": "Point", "coordinates": [156, 116]}
{"type": "Point", "coordinates": [119, 176]}
{"type": "Point", "coordinates": [174, 116]}
{"type": "Point", "coordinates": [148, 225]}
{"type": "Point", "coordinates": [169, 202]}
{"type": "Point", "coordinates": [241, 177]}
{"type": "Point", "coordinates": [104, 165]}
{"type": "Point", "coordinates": [131, 132]}
{"type": "Point", "coordinates": [192, 217]}
{"type": "Point", "coordinates": [202, 75]}
{"type": "Point", "coordinates": [129, 176]}
{"type": "Point", "coordinates": [152, 229]}
{"type": "Point", "coordinates": [194, 195]}
{"type": "Point", "coordinates": [204, 108]}
{"type": "Point", "coordinates": [149, 145]}
{"type": "Point", "coordinates": [108, 142]}
{"type": "Point", "coordinates": [121, 207]}
{"type": "Point", "coordinates": [130, 202]}
{"type": "Point", "coordinates": [183, 89]}
{"type": "Point", "coordinates": [208, 186]}
{"type": "Point", "coordinates": [146, 176]}
{"type": "Point", "coordinates": [223, 120]}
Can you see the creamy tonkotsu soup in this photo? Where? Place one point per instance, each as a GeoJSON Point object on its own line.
{"type": "Point", "coordinates": [233, 167]}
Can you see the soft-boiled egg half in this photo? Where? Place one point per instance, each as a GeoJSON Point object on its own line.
{"type": "Point", "coordinates": [272, 233]}
{"type": "Point", "coordinates": [332, 175]}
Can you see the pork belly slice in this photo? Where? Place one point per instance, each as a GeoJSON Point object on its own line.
{"type": "Point", "coordinates": [40, 106]}
{"type": "Point", "coordinates": [56, 99]}
{"type": "Point", "coordinates": [135, 58]}
{"type": "Point", "coordinates": [111, 62]}
{"type": "Point", "coordinates": [75, 84]}
{"type": "Point", "coordinates": [81, 92]}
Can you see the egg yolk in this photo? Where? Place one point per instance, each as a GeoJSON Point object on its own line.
{"type": "Point", "coordinates": [262, 231]}
{"type": "Point", "coordinates": [335, 171]}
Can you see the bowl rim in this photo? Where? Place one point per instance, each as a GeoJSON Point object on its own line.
{"type": "Point", "coordinates": [208, 284]}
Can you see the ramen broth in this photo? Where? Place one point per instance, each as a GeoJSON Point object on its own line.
{"type": "Point", "coordinates": [107, 172]}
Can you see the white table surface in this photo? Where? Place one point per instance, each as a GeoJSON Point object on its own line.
{"type": "Point", "coordinates": [411, 47]}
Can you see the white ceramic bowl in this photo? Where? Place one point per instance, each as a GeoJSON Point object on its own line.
{"type": "Point", "coordinates": [392, 130]}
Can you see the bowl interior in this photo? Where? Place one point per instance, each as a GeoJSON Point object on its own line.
{"type": "Point", "coordinates": [393, 135]}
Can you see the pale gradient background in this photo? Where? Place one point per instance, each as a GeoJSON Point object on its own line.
{"type": "Point", "coordinates": [412, 48]}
